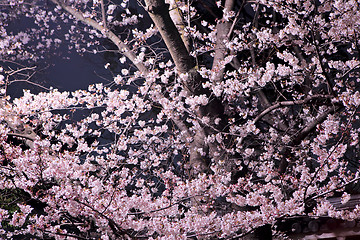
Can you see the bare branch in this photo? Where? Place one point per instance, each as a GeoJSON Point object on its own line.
{"type": "Point", "coordinates": [21, 70]}
{"type": "Point", "coordinates": [103, 13]}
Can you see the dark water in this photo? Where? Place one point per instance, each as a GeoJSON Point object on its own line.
{"type": "Point", "coordinates": [65, 71]}
{"type": "Point", "coordinates": [60, 68]}
{"type": "Point", "coordinates": [68, 70]}
{"type": "Point", "coordinates": [77, 72]}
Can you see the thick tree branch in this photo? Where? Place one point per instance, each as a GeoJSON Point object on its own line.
{"type": "Point", "coordinates": [291, 103]}
{"type": "Point", "coordinates": [123, 48]}
{"type": "Point", "coordinates": [159, 13]}
{"type": "Point", "coordinates": [311, 126]}
{"type": "Point", "coordinates": [223, 29]}
{"type": "Point", "coordinates": [178, 20]}
{"type": "Point", "coordinates": [303, 134]}
{"type": "Point", "coordinates": [184, 62]}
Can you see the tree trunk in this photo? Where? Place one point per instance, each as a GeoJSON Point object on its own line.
{"type": "Point", "coordinates": [159, 13]}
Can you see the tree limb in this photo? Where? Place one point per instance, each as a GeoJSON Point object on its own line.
{"type": "Point", "coordinates": [291, 103]}
{"type": "Point", "coordinates": [302, 135]}
{"type": "Point", "coordinates": [178, 20]}
{"type": "Point", "coordinates": [184, 62]}
{"type": "Point", "coordinates": [223, 29]}
{"type": "Point", "coordinates": [123, 48]}
{"type": "Point", "coordinates": [159, 13]}
{"type": "Point", "coordinates": [116, 228]}
{"type": "Point", "coordinates": [103, 14]}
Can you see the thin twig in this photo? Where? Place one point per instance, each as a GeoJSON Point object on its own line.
{"type": "Point", "coordinates": [332, 190]}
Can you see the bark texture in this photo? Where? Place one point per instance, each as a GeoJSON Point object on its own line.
{"type": "Point", "coordinates": [186, 64]}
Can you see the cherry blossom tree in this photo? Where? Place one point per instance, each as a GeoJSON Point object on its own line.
{"type": "Point", "coordinates": [226, 118]}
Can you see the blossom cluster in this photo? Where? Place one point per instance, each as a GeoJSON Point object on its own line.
{"type": "Point", "coordinates": [275, 121]}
